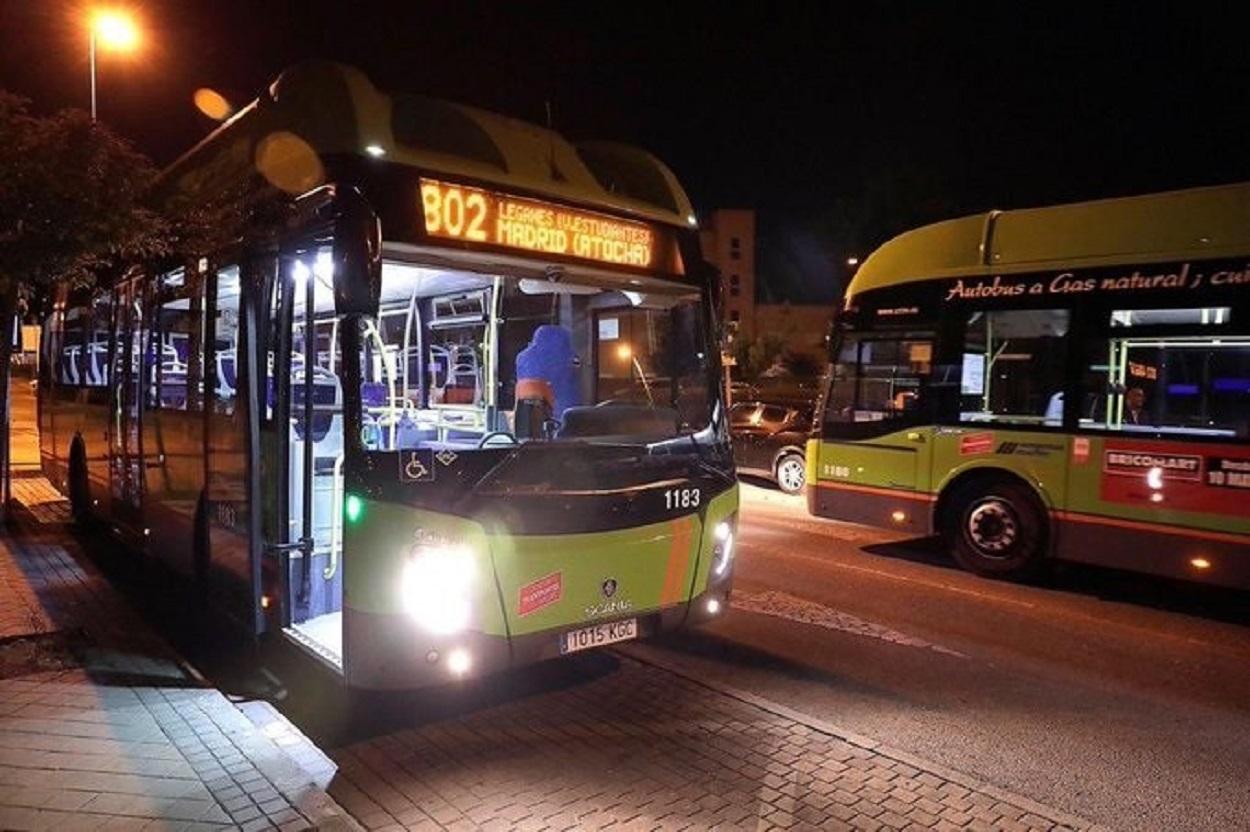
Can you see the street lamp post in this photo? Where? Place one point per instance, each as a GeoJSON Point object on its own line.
{"type": "Point", "coordinates": [112, 30]}
{"type": "Point", "coordinates": [91, 53]}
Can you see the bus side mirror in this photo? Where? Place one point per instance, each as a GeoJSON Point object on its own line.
{"type": "Point", "coordinates": [357, 255]}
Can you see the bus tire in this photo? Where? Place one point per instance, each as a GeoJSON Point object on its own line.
{"type": "Point", "coordinates": [997, 528]}
{"type": "Point", "coordinates": [790, 472]}
{"type": "Point", "coordinates": [79, 489]}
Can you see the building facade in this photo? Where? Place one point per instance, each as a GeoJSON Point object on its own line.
{"type": "Point", "coordinates": [728, 238]}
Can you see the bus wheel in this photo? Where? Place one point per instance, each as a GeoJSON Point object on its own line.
{"type": "Point", "coordinates": [791, 473]}
{"type": "Point", "coordinates": [997, 529]}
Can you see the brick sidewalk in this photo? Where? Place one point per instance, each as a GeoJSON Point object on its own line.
{"type": "Point", "coordinates": [103, 727]}
{"type": "Point", "coordinates": [643, 748]}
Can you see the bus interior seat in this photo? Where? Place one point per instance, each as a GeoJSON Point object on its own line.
{"type": "Point", "coordinates": [69, 364]}
{"type": "Point", "coordinates": [464, 378]}
{"type": "Point", "coordinates": [327, 404]}
{"type": "Point", "coordinates": [373, 394]}
{"type": "Point", "coordinates": [1054, 410]}
{"type": "Point", "coordinates": [438, 366]}
{"type": "Point", "coordinates": [227, 376]}
{"type": "Point", "coordinates": [410, 433]}
{"type": "Point", "coordinates": [532, 414]}
{"type": "Point", "coordinates": [97, 362]}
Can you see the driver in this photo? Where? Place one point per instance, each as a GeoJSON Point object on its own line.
{"type": "Point", "coordinates": [546, 370]}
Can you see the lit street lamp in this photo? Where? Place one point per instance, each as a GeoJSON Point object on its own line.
{"type": "Point", "coordinates": [114, 30]}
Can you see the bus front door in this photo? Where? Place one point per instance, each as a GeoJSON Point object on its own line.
{"type": "Point", "coordinates": [308, 449]}
{"type": "Point", "coordinates": [879, 481]}
{"type": "Point", "coordinates": [876, 450]}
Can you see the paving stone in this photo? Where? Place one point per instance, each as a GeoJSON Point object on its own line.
{"type": "Point", "coordinates": [86, 755]}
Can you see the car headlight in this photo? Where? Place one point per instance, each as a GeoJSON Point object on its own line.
{"type": "Point", "coordinates": [723, 545]}
{"type": "Point", "coordinates": [435, 586]}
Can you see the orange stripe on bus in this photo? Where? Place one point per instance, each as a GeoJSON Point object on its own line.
{"type": "Point", "coordinates": [1161, 528]}
{"type": "Point", "coordinates": [678, 560]}
{"type": "Point", "coordinates": [884, 492]}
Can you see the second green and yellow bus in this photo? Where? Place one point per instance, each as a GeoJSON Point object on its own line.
{"type": "Point", "coordinates": [1068, 382]}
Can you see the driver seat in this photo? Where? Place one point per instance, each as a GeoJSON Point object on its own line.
{"type": "Point", "coordinates": [546, 380]}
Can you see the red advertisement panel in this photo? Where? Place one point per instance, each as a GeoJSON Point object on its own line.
{"type": "Point", "coordinates": [976, 443]}
{"type": "Point", "coordinates": [540, 593]}
{"type": "Point", "coordinates": [1179, 476]}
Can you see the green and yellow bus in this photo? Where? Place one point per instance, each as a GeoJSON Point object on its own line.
{"type": "Point", "coordinates": [1067, 382]}
{"type": "Point", "coordinates": [448, 402]}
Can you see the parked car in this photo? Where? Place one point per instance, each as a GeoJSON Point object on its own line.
{"type": "Point", "coordinates": [741, 391]}
{"type": "Point", "coordinates": [770, 441]}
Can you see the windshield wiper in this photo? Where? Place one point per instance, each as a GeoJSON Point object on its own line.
{"type": "Point", "coordinates": [646, 386]}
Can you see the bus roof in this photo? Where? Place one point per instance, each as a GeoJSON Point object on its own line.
{"type": "Point", "coordinates": [1198, 223]}
{"type": "Point", "coordinates": [335, 109]}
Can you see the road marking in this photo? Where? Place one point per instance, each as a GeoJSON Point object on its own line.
{"type": "Point", "coordinates": [989, 596]}
{"type": "Point", "coordinates": [1075, 614]}
{"type": "Point", "coordinates": [792, 608]}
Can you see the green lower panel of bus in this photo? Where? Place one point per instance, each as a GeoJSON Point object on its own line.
{"type": "Point", "coordinates": [1159, 505]}
{"type": "Point", "coordinates": [893, 480]}
{"type": "Point", "coordinates": [430, 597]}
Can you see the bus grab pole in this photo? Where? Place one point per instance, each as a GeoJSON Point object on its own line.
{"type": "Point", "coordinates": [310, 359]}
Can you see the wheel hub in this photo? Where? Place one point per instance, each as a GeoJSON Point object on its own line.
{"type": "Point", "coordinates": [790, 474]}
{"type": "Point", "coordinates": [992, 527]}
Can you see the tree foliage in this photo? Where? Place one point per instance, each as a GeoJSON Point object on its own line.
{"type": "Point", "coordinates": [755, 355]}
{"type": "Point", "coordinates": [71, 199]}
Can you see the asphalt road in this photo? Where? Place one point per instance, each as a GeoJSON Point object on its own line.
{"type": "Point", "coordinates": [1123, 699]}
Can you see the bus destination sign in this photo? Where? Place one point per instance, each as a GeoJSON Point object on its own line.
{"type": "Point", "coordinates": [492, 218]}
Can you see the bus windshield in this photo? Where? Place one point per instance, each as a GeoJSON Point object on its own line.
{"type": "Point", "coordinates": [457, 361]}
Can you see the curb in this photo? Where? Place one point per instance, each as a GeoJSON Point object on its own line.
{"type": "Point", "coordinates": [831, 729]}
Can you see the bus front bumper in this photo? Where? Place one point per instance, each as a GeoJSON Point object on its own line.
{"type": "Point", "coordinates": [388, 652]}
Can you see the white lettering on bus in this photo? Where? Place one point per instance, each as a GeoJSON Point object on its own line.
{"type": "Point", "coordinates": [996, 289]}
{"type": "Point", "coordinates": [1231, 278]}
{"type": "Point", "coordinates": [1065, 284]}
{"type": "Point", "coordinates": [1155, 281]}
{"type": "Point", "coordinates": [1173, 463]}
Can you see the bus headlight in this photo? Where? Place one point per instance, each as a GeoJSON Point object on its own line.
{"type": "Point", "coordinates": [435, 587]}
{"type": "Point", "coordinates": [723, 545]}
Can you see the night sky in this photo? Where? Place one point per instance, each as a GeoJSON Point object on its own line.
{"type": "Point", "coordinates": [842, 123]}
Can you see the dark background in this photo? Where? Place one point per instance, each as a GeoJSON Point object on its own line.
{"type": "Point", "coordinates": [842, 123]}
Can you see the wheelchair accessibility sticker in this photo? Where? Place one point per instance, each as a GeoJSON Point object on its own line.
{"type": "Point", "coordinates": [416, 466]}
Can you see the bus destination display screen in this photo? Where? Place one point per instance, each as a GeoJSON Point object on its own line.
{"type": "Point", "coordinates": [492, 218]}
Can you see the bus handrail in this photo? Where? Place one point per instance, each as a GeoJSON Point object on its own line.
{"type": "Point", "coordinates": [336, 518]}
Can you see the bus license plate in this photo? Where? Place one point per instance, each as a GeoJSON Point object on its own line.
{"type": "Point", "coordinates": [598, 635]}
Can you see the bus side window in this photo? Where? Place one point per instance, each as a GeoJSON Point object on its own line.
{"type": "Point", "coordinates": [74, 366]}
{"type": "Point", "coordinates": [50, 347]}
{"type": "Point", "coordinates": [225, 335]}
{"type": "Point", "coordinates": [1180, 371]}
{"type": "Point", "coordinates": [177, 350]}
{"type": "Point", "coordinates": [1013, 367]}
{"type": "Point", "coordinates": [97, 350]}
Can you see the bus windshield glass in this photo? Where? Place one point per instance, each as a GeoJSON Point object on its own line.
{"type": "Point", "coordinates": [457, 361]}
